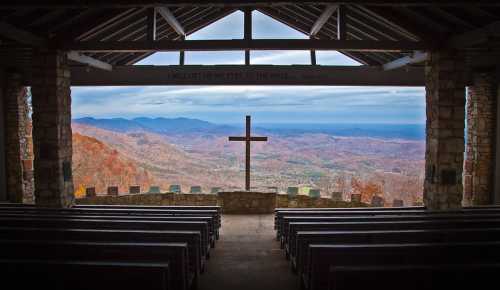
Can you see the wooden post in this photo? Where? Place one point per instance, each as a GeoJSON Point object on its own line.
{"type": "Point", "coordinates": [247, 31]}
{"type": "Point", "coordinates": [151, 25]}
{"type": "Point", "coordinates": [341, 23]}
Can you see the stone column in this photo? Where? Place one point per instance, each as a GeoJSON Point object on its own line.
{"type": "Point", "coordinates": [479, 164]}
{"type": "Point", "coordinates": [3, 179]}
{"type": "Point", "coordinates": [445, 98]}
{"type": "Point", "coordinates": [51, 96]}
{"type": "Point", "coordinates": [19, 169]}
{"type": "Point", "coordinates": [496, 183]}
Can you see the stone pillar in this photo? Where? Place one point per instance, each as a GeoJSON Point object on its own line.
{"type": "Point", "coordinates": [3, 179]}
{"type": "Point", "coordinates": [479, 165]}
{"type": "Point", "coordinates": [18, 154]}
{"type": "Point", "coordinates": [51, 98]}
{"type": "Point", "coordinates": [496, 184]}
{"type": "Point", "coordinates": [445, 98]}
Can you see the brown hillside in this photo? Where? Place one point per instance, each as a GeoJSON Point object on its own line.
{"type": "Point", "coordinates": [95, 164]}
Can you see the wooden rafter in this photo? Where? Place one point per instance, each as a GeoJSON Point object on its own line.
{"type": "Point", "coordinates": [171, 19]}
{"type": "Point", "coordinates": [322, 19]}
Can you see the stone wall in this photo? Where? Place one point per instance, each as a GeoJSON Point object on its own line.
{"type": "Point", "coordinates": [239, 202]}
{"type": "Point", "coordinates": [3, 187]}
{"type": "Point", "coordinates": [283, 200]}
{"type": "Point", "coordinates": [168, 198]}
{"type": "Point", "coordinates": [51, 99]}
{"type": "Point", "coordinates": [445, 98]}
{"type": "Point", "coordinates": [18, 141]}
{"type": "Point", "coordinates": [242, 202]}
{"type": "Point", "coordinates": [479, 162]}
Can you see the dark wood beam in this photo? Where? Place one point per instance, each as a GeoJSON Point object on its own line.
{"type": "Point", "coordinates": [255, 44]}
{"type": "Point", "coordinates": [139, 75]}
{"type": "Point", "coordinates": [239, 3]}
{"type": "Point", "coordinates": [171, 19]}
{"type": "Point", "coordinates": [341, 23]}
{"type": "Point", "coordinates": [247, 31]}
{"type": "Point", "coordinates": [322, 19]}
{"type": "Point", "coordinates": [476, 37]}
{"type": "Point", "coordinates": [151, 25]}
{"type": "Point", "coordinates": [415, 57]}
{"type": "Point", "coordinates": [90, 61]}
{"type": "Point", "coordinates": [22, 36]}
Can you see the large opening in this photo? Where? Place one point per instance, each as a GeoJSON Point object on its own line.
{"type": "Point", "coordinates": [340, 140]}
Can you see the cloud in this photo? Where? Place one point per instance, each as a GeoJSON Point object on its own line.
{"type": "Point", "coordinates": [271, 103]}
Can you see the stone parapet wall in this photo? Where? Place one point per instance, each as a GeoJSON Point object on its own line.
{"type": "Point", "coordinates": [231, 202]}
{"type": "Point", "coordinates": [283, 200]}
{"type": "Point", "coordinates": [242, 202]}
{"type": "Point", "coordinates": [168, 198]}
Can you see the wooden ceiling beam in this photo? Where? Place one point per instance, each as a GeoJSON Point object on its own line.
{"type": "Point", "coordinates": [415, 57]}
{"type": "Point", "coordinates": [234, 3]}
{"type": "Point", "coordinates": [254, 44]}
{"type": "Point", "coordinates": [90, 61]}
{"type": "Point", "coordinates": [171, 20]}
{"type": "Point", "coordinates": [21, 36]}
{"type": "Point", "coordinates": [322, 19]}
{"type": "Point", "coordinates": [139, 75]}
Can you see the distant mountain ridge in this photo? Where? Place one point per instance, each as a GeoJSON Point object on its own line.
{"type": "Point", "coordinates": [180, 126]}
{"type": "Point", "coordinates": [157, 125]}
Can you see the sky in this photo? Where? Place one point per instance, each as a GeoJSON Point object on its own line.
{"type": "Point", "coordinates": [266, 104]}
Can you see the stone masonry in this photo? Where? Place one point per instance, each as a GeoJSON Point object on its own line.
{"type": "Point", "coordinates": [18, 142]}
{"type": "Point", "coordinates": [445, 98]}
{"type": "Point", "coordinates": [52, 129]}
{"type": "Point", "coordinates": [481, 123]}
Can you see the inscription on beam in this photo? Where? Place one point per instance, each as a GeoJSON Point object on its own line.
{"type": "Point", "coordinates": [247, 75]}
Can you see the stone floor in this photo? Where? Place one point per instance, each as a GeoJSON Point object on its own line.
{"type": "Point", "coordinates": [247, 256]}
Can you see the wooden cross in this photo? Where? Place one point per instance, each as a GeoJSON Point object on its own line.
{"type": "Point", "coordinates": [247, 138]}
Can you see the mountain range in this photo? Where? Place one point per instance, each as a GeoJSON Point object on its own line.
{"type": "Point", "coordinates": [173, 126]}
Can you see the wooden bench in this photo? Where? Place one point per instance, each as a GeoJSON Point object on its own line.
{"type": "Point", "coordinates": [201, 227]}
{"type": "Point", "coordinates": [123, 211]}
{"type": "Point", "coordinates": [208, 220]}
{"type": "Point", "coordinates": [84, 275]}
{"type": "Point", "coordinates": [281, 214]}
{"type": "Point", "coordinates": [192, 238]}
{"type": "Point", "coordinates": [175, 254]}
{"type": "Point", "coordinates": [323, 258]}
{"type": "Point", "coordinates": [288, 219]}
{"type": "Point", "coordinates": [412, 277]}
{"type": "Point", "coordinates": [393, 225]}
{"type": "Point", "coordinates": [306, 238]}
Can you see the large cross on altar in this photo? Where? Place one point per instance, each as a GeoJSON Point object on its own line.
{"type": "Point", "coordinates": [247, 138]}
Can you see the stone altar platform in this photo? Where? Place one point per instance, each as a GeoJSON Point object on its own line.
{"type": "Point", "coordinates": [247, 202]}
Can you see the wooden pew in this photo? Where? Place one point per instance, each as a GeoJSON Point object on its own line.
{"type": "Point", "coordinates": [201, 227]}
{"type": "Point", "coordinates": [175, 254]}
{"type": "Point", "coordinates": [288, 219]}
{"type": "Point", "coordinates": [208, 220]}
{"type": "Point", "coordinates": [111, 211]}
{"type": "Point", "coordinates": [84, 275]}
{"type": "Point", "coordinates": [412, 277]}
{"type": "Point", "coordinates": [393, 225]}
{"type": "Point", "coordinates": [281, 214]}
{"type": "Point", "coordinates": [192, 238]}
{"type": "Point", "coordinates": [323, 258]}
{"type": "Point", "coordinates": [306, 238]}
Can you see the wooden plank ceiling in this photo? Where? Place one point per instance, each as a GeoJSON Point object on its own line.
{"type": "Point", "coordinates": [426, 22]}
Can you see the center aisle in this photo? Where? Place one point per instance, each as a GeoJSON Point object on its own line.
{"type": "Point", "coordinates": [247, 256]}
